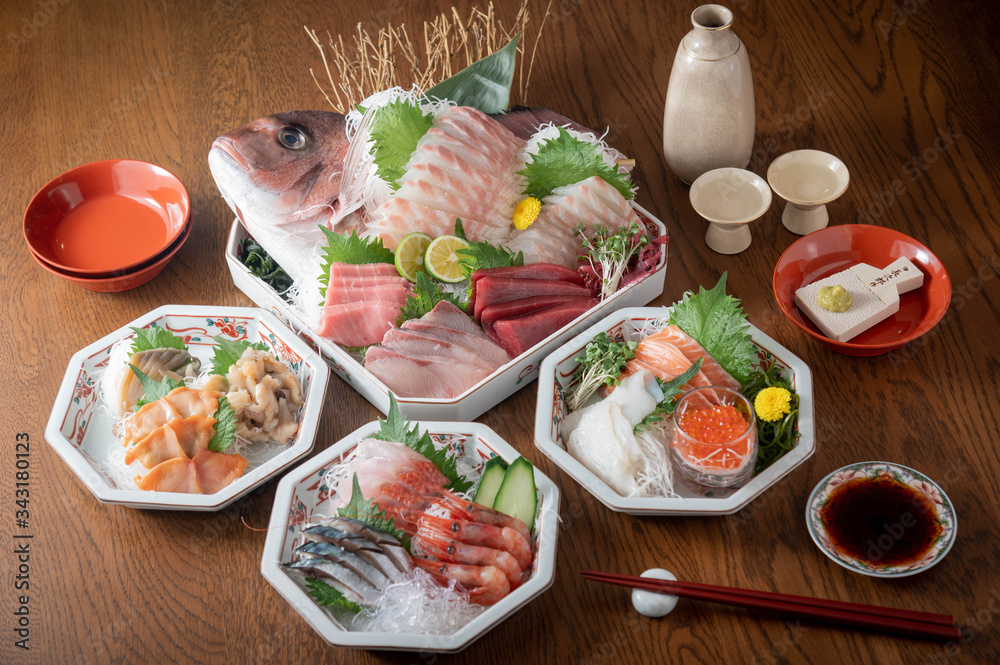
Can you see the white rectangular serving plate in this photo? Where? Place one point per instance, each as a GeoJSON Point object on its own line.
{"type": "Point", "coordinates": [557, 372]}
{"type": "Point", "coordinates": [478, 399]}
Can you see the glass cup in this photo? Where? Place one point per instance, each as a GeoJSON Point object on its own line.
{"type": "Point", "coordinates": [725, 420]}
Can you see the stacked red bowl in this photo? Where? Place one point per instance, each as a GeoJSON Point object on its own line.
{"type": "Point", "coordinates": [108, 226]}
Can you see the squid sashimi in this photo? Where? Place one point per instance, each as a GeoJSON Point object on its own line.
{"type": "Point", "coordinates": [181, 437]}
{"type": "Point", "coordinates": [602, 436]}
{"type": "Point", "coordinates": [206, 473]}
{"type": "Point", "coordinates": [179, 403]}
{"type": "Point", "coordinates": [552, 237]}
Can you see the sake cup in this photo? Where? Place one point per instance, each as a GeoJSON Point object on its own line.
{"type": "Point", "coordinates": [729, 199]}
{"type": "Point", "coordinates": [807, 180]}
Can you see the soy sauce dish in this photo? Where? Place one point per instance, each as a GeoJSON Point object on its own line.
{"type": "Point", "coordinates": [881, 519]}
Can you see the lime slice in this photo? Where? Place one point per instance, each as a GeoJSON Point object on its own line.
{"type": "Point", "coordinates": [441, 259]}
{"type": "Point", "coordinates": [410, 254]}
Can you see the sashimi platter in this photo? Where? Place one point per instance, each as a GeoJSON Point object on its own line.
{"type": "Point", "coordinates": [436, 246]}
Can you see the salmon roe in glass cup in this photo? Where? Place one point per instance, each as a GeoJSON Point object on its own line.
{"type": "Point", "coordinates": [714, 441]}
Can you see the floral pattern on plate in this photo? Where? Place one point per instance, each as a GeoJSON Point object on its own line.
{"type": "Point", "coordinates": [944, 514]}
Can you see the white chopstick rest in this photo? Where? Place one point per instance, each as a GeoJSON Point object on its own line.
{"type": "Point", "coordinates": [874, 291]}
{"type": "Point", "coordinates": [654, 604]}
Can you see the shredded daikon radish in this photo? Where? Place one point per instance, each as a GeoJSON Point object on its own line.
{"type": "Point", "coordinates": [418, 605]}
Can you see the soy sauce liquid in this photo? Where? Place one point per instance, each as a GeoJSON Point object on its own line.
{"type": "Point", "coordinates": [881, 521]}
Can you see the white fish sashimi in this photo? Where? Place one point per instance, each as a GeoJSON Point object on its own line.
{"type": "Point", "coordinates": [473, 148]}
{"type": "Point", "coordinates": [552, 237]}
{"type": "Point", "coordinates": [605, 444]}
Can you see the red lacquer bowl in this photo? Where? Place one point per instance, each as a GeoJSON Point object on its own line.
{"type": "Point", "coordinates": [836, 248]}
{"type": "Point", "coordinates": [115, 282]}
{"type": "Point", "coordinates": [109, 216]}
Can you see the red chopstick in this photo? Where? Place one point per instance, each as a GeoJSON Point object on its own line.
{"type": "Point", "coordinates": [902, 622]}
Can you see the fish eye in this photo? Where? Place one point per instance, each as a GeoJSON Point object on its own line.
{"type": "Point", "coordinates": [292, 138]}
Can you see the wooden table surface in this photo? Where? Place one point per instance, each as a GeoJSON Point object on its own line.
{"type": "Point", "coordinates": [876, 84]}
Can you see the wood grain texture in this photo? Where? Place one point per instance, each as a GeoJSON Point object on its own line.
{"type": "Point", "coordinates": [875, 83]}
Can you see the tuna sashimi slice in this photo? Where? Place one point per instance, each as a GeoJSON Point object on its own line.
{"type": "Point", "coordinates": [347, 271]}
{"type": "Point", "coordinates": [519, 334]}
{"type": "Point", "coordinates": [514, 308]}
{"type": "Point", "coordinates": [427, 376]}
{"type": "Point", "coordinates": [530, 271]}
{"type": "Point", "coordinates": [358, 323]}
{"type": "Point", "coordinates": [394, 293]}
{"type": "Point", "coordinates": [475, 343]}
{"type": "Point", "coordinates": [496, 290]}
{"type": "Point", "coordinates": [692, 350]}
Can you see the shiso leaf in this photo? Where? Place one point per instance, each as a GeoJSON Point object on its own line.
{"type": "Point", "coordinates": [157, 337]}
{"type": "Point", "coordinates": [395, 129]}
{"type": "Point", "coordinates": [328, 596]}
{"type": "Point", "coordinates": [228, 351]}
{"type": "Point", "coordinates": [485, 84]}
{"type": "Point", "coordinates": [426, 294]}
{"type": "Point", "coordinates": [366, 511]}
{"type": "Point", "coordinates": [565, 160]}
{"type": "Point", "coordinates": [671, 390]}
{"type": "Point", "coordinates": [225, 427]}
{"type": "Point", "coordinates": [717, 322]}
{"type": "Point", "coordinates": [154, 390]}
{"type": "Point", "coordinates": [397, 428]}
{"type": "Point", "coordinates": [350, 248]}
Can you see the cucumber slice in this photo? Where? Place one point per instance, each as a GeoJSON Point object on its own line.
{"type": "Point", "coordinates": [489, 483]}
{"type": "Point", "coordinates": [516, 496]}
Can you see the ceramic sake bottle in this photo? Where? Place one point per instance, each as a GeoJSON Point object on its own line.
{"type": "Point", "coordinates": [708, 122]}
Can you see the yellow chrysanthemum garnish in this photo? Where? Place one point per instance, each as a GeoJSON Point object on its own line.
{"type": "Point", "coordinates": [526, 212]}
{"type": "Point", "coordinates": [772, 403]}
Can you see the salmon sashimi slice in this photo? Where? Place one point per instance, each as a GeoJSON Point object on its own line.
{"type": "Point", "coordinates": [206, 473]}
{"type": "Point", "coordinates": [358, 323]}
{"type": "Point", "coordinates": [666, 362]}
{"type": "Point", "coordinates": [179, 403]}
{"type": "Point", "coordinates": [692, 350]}
{"type": "Point", "coordinates": [181, 437]}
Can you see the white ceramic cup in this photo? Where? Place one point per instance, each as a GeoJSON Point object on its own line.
{"type": "Point", "coordinates": [729, 199]}
{"type": "Point", "coordinates": [807, 180]}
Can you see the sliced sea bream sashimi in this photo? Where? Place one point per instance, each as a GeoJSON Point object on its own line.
{"type": "Point", "coordinates": [474, 148]}
{"type": "Point", "coordinates": [440, 355]}
{"type": "Point", "coordinates": [552, 237]}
